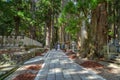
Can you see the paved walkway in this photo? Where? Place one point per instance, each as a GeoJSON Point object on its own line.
{"type": "Point", "coordinates": [58, 66]}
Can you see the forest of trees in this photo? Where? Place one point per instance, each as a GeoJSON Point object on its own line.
{"type": "Point", "coordinates": [92, 24]}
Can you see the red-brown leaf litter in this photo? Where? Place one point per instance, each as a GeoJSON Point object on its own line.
{"type": "Point", "coordinates": [34, 67]}
{"type": "Point", "coordinates": [71, 54]}
{"type": "Point", "coordinates": [25, 76]}
{"type": "Point", "coordinates": [38, 54]}
{"type": "Point", "coordinates": [28, 76]}
{"type": "Point", "coordinates": [91, 64]}
{"type": "Point", "coordinates": [45, 50]}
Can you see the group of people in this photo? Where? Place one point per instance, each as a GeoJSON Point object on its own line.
{"type": "Point", "coordinates": [58, 46]}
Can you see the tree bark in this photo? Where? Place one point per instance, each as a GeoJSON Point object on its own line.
{"type": "Point", "coordinates": [32, 26]}
{"type": "Point", "coordinates": [17, 23]}
{"type": "Point", "coordinates": [97, 32]}
{"type": "Point", "coordinates": [48, 29]}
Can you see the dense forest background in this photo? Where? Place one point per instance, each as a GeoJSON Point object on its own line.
{"type": "Point", "coordinates": [92, 24]}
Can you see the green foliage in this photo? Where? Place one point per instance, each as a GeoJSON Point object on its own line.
{"type": "Point", "coordinates": [6, 22]}
{"type": "Point", "coordinates": [71, 16]}
{"type": "Point", "coordinates": [70, 8]}
{"type": "Point", "coordinates": [20, 13]}
{"type": "Point", "coordinates": [71, 27]}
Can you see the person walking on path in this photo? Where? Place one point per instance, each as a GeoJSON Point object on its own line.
{"type": "Point", "coordinates": [56, 46]}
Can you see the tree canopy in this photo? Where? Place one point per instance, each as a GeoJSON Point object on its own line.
{"type": "Point", "coordinates": [44, 20]}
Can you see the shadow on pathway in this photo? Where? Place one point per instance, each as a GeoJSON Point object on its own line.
{"type": "Point", "coordinates": [58, 66]}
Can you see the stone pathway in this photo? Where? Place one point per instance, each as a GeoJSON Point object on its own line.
{"type": "Point", "coordinates": [58, 66]}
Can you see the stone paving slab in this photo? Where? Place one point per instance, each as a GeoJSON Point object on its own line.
{"type": "Point", "coordinates": [35, 59]}
{"type": "Point", "coordinates": [58, 66]}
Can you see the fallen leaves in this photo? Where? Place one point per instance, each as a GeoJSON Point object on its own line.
{"type": "Point", "coordinates": [91, 64]}
{"type": "Point", "coordinates": [38, 54]}
{"type": "Point", "coordinates": [25, 76]}
{"type": "Point", "coordinates": [34, 67]}
{"type": "Point", "coordinates": [71, 54]}
{"type": "Point", "coordinates": [28, 75]}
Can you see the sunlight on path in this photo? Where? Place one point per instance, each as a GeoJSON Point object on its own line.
{"type": "Point", "coordinates": [58, 66]}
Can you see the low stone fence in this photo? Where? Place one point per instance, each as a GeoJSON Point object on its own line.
{"type": "Point", "coordinates": [10, 41]}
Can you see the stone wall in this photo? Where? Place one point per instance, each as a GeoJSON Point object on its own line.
{"type": "Point", "coordinates": [11, 41]}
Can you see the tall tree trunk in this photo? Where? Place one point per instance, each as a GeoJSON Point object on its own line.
{"type": "Point", "coordinates": [78, 42]}
{"type": "Point", "coordinates": [32, 26]}
{"type": "Point", "coordinates": [52, 31]}
{"type": "Point", "coordinates": [101, 29]}
{"type": "Point", "coordinates": [116, 13]}
{"type": "Point", "coordinates": [2, 40]}
{"type": "Point", "coordinates": [48, 29]}
{"type": "Point", "coordinates": [97, 38]}
{"type": "Point", "coordinates": [47, 37]}
{"type": "Point", "coordinates": [48, 34]}
{"type": "Point", "coordinates": [63, 37]}
{"type": "Point", "coordinates": [62, 34]}
{"type": "Point", "coordinates": [17, 23]}
{"type": "Point", "coordinates": [56, 32]}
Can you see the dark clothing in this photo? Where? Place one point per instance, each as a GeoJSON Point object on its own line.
{"type": "Point", "coordinates": [56, 46]}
